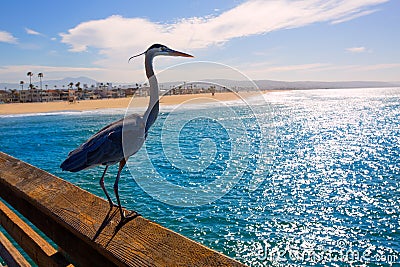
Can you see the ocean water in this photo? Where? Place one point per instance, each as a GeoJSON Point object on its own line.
{"type": "Point", "coordinates": [302, 177]}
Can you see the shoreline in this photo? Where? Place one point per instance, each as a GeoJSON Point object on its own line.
{"type": "Point", "coordinates": [86, 105]}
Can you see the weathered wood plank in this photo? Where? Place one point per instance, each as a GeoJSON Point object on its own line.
{"type": "Point", "coordinates": [84, 227]}
{"type": "Point", "coordinates": [38, 249]}
{"type": "Point", "coordinates": [10, 254]}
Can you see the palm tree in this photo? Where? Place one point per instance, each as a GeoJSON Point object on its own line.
{"type": "Point", "coordinates": [79, 93]}
{"type": "Point", "coordinates": [40, 75]}
{"type": "Point", "coordinates": [108, 85]}
{"type": "Point", "coordinates": [78, 84]}
{"type": "Point", "coordinates": [22, 89]}
{"type": "Point", "coordinates": [30, 74]}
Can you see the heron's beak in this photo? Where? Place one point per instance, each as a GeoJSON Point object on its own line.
{"type": "Point", "coordinates": [178, 54]}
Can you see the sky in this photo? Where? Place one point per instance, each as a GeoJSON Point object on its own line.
{"type": "Point", "coordinates": [302, 40]}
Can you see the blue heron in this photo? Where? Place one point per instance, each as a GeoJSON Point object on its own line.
{"type": "Point", "coordinates": [106, 147]}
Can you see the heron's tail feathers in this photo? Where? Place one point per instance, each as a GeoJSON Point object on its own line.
{"type": "Point", "coordinates": [75, 162]}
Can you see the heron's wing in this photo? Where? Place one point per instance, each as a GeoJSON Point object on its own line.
{"type": "Point", "coordinates": [99, 149]}
{"type": "Point", "coordinates": [112, 132]}
{"type": "Point", "coordinates": [93, 141]}
{"type": "Point", "coordinates": [123, 139]}
{"type": "Point", "coordinates": [105, 147]}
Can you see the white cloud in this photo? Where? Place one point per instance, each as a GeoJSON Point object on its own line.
{"type": "Point", "coordinates": [7, 37]}
{"type": "Point", "coordinates": [250, 18]}
{"type": "Point", "coordinates": [116, 38]}
{"type": "Point", "coordinates": [32, 32]}
{"type": "Point", "coordinates": [358, 49]}
{"type": "Point", "coordinates": [354, 16]}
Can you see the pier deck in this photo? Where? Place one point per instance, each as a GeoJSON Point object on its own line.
{"type": "Point", "coordinates": [84, 228]}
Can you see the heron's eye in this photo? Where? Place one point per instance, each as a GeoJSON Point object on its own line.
{"type": "Point", "coordinates": [163, 48]}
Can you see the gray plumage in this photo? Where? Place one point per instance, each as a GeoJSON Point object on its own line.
{"type": "Point", "coordinates": [121, 139]}
{"type": "Point", "coordinates": [105, 147]}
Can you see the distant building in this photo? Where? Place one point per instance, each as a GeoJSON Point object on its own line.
{"type": "Point", "coordinates": [50, 95]}
{"type": "Point", "coordinates": [94, 95]}
{"type": "Point", "coordinates": [103, 89]}
{"type": "Point", "coordinates": [99, 91]}
{"type": "Point", "coordinates": [117, 93]}
{"type": "Point", "coordinates": [71, 96]}
{"type": "Point", "coordinates": [31, 95]}
{"type": "Point", "coordinates": [56, 94]}
{"type": "Point", "coordinates": [5, 96]}
{"type": "Point", "coordinates": [129, 92]}
{"type": "Point", "coordinates": [64, 95]}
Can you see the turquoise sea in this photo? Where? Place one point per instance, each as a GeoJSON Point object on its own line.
{"type": "Point", "coordinates": [307, 177]}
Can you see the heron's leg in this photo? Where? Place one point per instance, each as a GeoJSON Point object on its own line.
{"type": "Point", "coordinates": [104, 188]}
{"type": "Point", "coordinates": [121, 165]}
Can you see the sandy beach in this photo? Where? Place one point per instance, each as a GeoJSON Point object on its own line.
{"type": "Point", "coordinates": [23, 108]}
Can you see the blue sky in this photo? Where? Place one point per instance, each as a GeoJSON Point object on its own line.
{"type": "Point", "coordinates": [336, 40]}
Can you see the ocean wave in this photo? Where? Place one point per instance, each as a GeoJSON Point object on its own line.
{"type": "Point", "coordinates": [67, 112]}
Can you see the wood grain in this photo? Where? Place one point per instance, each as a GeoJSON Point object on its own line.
{"type": "Point", "coordinates": [38, 249]}
{"type": "Point", "coordinates": [83, 225]}
{"type": "Point", "coordinates": [10, 254]}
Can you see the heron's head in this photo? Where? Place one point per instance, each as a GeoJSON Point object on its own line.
{"type": "Point", "coordinates": [162, 50]}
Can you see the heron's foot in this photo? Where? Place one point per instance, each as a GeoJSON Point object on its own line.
{"type": "Point", "coordinates": [125, 218]}
{"type": "Point", "coordinates": [130, 215]}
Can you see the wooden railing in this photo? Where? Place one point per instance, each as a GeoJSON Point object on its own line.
{"type": "Point", "coordinates": [84, 228]}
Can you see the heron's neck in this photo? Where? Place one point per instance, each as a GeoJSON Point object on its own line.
{"type": "Point", "coordinates": [151, 113]}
